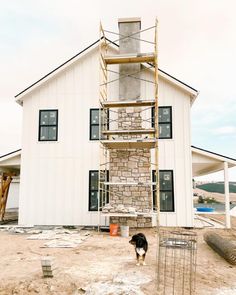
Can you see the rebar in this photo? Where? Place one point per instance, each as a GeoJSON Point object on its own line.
{"type": "Point", "coordinates": [176, 270]}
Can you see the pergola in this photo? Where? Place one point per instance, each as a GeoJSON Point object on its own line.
{"type": "Point", "coordinates": [205, 162]}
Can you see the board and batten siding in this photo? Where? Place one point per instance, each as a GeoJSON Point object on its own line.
{"type": "Point", "coordinates": [54, 175]}
{"type": "Point", "coordinates": [54, 186]}
{"type": "Point", "coordinates": [175, 154]}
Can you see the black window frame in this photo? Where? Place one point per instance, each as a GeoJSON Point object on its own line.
{"type": "Point", "coordinates": [154, 192]}
{"type": "Point", "coordinates": [162, 123]}
{"type": "Point", "coordinates": [48, 125]}
{"type": "Point", "coordinates": [91, 124]}
{"type": "Point", "coordinates": [97, 124]}
{"type": "Point", "coordinates": [90, 190]}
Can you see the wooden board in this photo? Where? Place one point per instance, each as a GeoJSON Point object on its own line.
{"type": "Point", "coordinates": [119, 214]}
{"type": "Point", "coordinates": [128, 103]}
{"type": "Point", "coordinates": [129, 144]}
{"type": "Point", "coordinates": [130, 183]}
{"type": "Point", "coordinates": [136, 58]}
{"type": "Point", "coordinates": [117, 132]}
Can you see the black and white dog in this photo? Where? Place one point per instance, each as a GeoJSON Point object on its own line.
{"type": "Point", "coordinates": [141, 246]}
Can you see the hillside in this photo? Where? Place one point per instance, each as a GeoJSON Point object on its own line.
{"type": "Point", "coordinates": [217, 187]}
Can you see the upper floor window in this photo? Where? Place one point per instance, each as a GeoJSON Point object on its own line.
{"type": "Point", "coordinates": [166, 187]}
{"type": "Point", "coordinates": [94, 123]}
{"type": "Point", "coordinates": [48, 125]}
{"type": "Point", "coordinates": [164, 121]}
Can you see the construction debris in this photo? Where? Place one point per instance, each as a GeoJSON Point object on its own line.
{"type": "Point", "coordinates": [112, 208]}
{"type": "Point", "coordinates": [48, 266]}
{"type": "Point", "coordinates": [224, 247]}
{"type": "Point", "coordinates": [60, 238]}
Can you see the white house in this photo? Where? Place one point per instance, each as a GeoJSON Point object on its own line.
{"type": "Point", "coordinates": [59, 159]}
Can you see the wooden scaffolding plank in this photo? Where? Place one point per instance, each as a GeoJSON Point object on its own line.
{"type": "Point", "coordinates": [128, 103]}
{"type": "Point", "coordinates": [147, 214]}
{"type": "Point", "coordinates": [129, 144]}
{"type": "Point", "coordinates": [119, 214]}
{"type": "Point", "coordinates": [130, 58]}
{"type": "Point", "coordinates": [130, 183]}
{"type": "Point", "coordinates": [127, 132]}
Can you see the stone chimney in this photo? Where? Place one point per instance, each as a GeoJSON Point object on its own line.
{"type": "Point", "coordinates": [130, 165]}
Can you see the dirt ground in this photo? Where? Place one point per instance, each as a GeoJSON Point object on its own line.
{"type": "Point", "coordinates": [100, 265]}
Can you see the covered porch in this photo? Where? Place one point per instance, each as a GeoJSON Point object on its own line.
{"type": "Point", "coordinates": [205, 162]}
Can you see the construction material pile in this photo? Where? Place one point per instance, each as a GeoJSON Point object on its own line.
{"type": "Point", "coordinates": [108, 208]}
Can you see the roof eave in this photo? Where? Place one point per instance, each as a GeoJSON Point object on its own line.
{"type": "Point", "coordinates": [216, 156]}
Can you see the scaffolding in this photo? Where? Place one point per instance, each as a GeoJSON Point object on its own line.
{"type": "Point", "coordinates": [176, 250]}
{"type": "Point", "coordinates": [125, 138]}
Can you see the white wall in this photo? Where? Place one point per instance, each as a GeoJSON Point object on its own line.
{"type": "Point", "coordinates": [54, 175]}
{"type": "Point", "coordinates": [175, 154]}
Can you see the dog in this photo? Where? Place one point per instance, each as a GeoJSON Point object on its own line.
{"type": "Point", "coordinates": [141, 246]}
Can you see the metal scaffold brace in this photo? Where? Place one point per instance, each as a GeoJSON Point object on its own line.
{"type": "Point", "coordinates": [127, 138]}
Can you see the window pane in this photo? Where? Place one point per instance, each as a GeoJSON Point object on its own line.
{"type": "Point", "coordinates": [166, 201]}
{"type": "Point", "coordinates": [94, 180]}
{"type": "Point", "coordinates": [164, 131]}
{"type": "Point", "coordinates": [43, 133]}
{"type": "Point", "coordinates": [52, 133]}
{"type": "Point", "coordinates": [44, 118]}
{"type": "Point", "coordinates": [165, 180]}
{"type": "Point", "coordinates": [93, 201]}
{"type": "Point", "coordinates": [164, 115]}
{"type": "Point", "coordinates": [94, 132]}
{"type": "Point", "coordinates": [52, 118]}
{"type": "Point", "coordinates": [94, 117]}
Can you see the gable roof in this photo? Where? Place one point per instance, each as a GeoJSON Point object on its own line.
{"type": "Point", "coordinates": [165, 75]}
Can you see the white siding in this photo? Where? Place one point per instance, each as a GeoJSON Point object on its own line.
{"type": "Point", "coordinates": [54, 175]}
{"type": "Point", "coordinates": [175, 154]}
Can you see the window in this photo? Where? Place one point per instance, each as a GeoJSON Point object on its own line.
{"type": "Point", "coordinates": [164, 121]}
{"type": "Point", "coordinates": [166, 190]}
{"type": "Point", "coordinates": [48, 125]}
{"type": "Point", "coordinates": [94, 123]}
{"type": "Point", "coordinates": [93, 191]}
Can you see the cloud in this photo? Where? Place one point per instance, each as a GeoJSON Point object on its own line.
{"type": "Point", "coordinates": [225, 130]}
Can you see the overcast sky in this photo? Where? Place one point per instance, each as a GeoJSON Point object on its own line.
{"type": "Point", "coordinates": [197, 44]}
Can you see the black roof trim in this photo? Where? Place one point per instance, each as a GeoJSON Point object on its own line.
{"type": "Point", "coordinates": [58, 67]}
{"type": "Point", "coordinates": [81, 53]}
{"type": "Point", "coordinates": [213, 153]}
{"type": "Point", "coordinates": [10, 153]}
{"type": "Point", "coordinates": [178, 80]}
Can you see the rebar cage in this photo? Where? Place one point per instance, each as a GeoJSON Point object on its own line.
{"type": "Point", "coordinates": [176, 273]}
